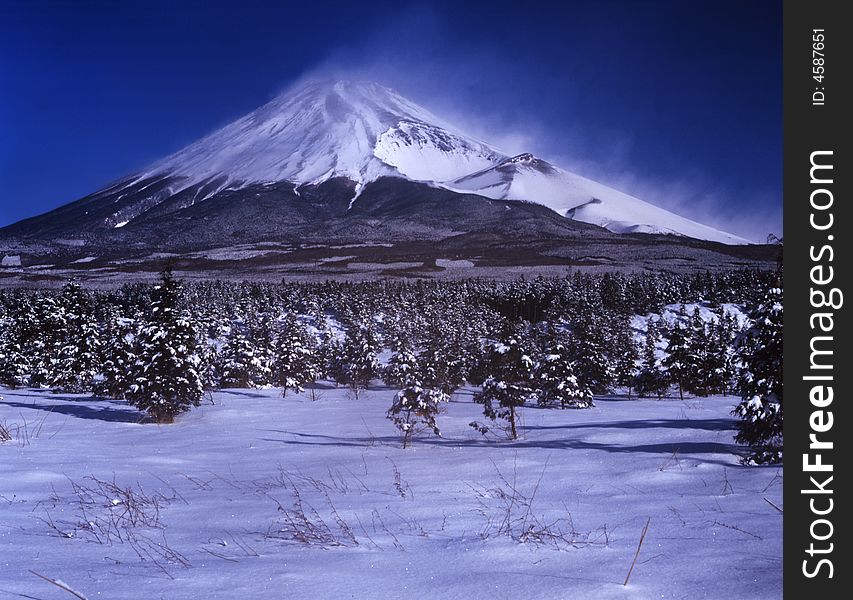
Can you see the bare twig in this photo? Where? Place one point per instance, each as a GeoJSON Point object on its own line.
{"type": "Point", "coordinates": [217, 555]}
{"type": "Point", "coordinates": [533, 495]}
{"type": "Point", "coordinates": [727, 487]}
{"type": "Point", "coordinates": [736, 528]}
{"type": "Point", "coordinates": [776, 477]}
{"type": "Point", "coordinates": [59, 584]}
{"type": "Point", "coordinates": [673, 457]}
{"type": "Point", "coordinates": [37, 432]}
{"type": "Point", "coordinates": [637, 553]}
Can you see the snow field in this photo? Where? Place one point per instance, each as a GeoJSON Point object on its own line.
{"type": "Point", "coordinates": [258, 496]}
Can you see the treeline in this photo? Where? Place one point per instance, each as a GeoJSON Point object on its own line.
{"type": "Point", "coordinates": [556, 342]}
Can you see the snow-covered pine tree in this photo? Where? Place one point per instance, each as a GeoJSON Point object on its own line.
{"type": "Point", "coordinates": [208, 358]}
{"type": "Point", "coordinates": [322, 338]}
{"type": "Point", "coordinates": [625, 352]}
{"type": "Point", "coordinates": [679, 360]}
{"type": "Point", "coordinates": [713, 360]}
{"type": "Point", "coordinates": [336, 368]}
{"type": "Point", "coordinates": [14, 362]}
{"type": "Point", "coordinates": [509, 383]}
{"type": "Point", "coordinates": [41, 328]}
{"type": "Point", "coordinates": [441, 362]}
{"type": "Point", "coordinates": [166, 381]}
{"type": "Point", "coordinates": [703, 377]}
{"type": "Point", "coordinates": [296, 359]}
{"type": "Point", "coordinates": [241, 363]}
{"type": "Point", "coordinates": [78, 346]}
{"type": "Point", "coordinates": [759, 351]}
{"type": "Point", "coordinates": [651, 378]}
{"type": "Point", "coordinates": [556, 381]}
{"type": "Point", "coordinates": [612, 291]}
{"type": "Point", "coordinates": [414, 407]}
{"type": "Point", "coordinates": [591, 351]}
{"type": "Point", "coordinates": [402, 367]}
{"type": "Point", "coordinates": [119, 357]}
{"type": "Point", "coordinates": [263, 332]}
{"type": "Point", "coordinates": [723, 334]}
{"type": "Point", "coordinates": [359, 365]}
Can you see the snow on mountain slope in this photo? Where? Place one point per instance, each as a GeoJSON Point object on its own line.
{"type": "Point", "coordinates": [428, 153]}
{"type": "Point", "coordinates": [326, 129]}
{"type": "Point", "coordinates": [362, 131]}
{"type": "Point", "coordinates": [526, 177]}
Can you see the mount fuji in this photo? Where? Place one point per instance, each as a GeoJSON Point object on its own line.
{"type": "Point", "coordinates": [348, 163]}
{"type": "Point", "coordinates": [361, 132]}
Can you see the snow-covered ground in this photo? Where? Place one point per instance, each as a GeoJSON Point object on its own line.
{"type": "Point", "coordinates": [212, 502]}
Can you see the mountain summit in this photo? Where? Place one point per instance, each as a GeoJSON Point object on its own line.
{"type": "Point", "coordinates": [347, 135]}
{"type": "Point", "coordinates": [320, 130]}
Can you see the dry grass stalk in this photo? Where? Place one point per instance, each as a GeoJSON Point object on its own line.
{"type": "Point", "coordinates": [637, 553]}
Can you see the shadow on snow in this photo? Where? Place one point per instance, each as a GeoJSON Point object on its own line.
{"type": "Point", "coordinates": [706, 424]}
{"type": "Point", "coordinates": [75, 409]}
{"type": "Point", "coordinates": [683, 449]}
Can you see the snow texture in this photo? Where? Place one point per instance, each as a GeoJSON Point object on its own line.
{"type": "Point", "coordinates": [227, 480]}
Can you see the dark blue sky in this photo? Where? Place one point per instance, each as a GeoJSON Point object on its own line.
{"type": "Point", "coordinates": [677, 102]}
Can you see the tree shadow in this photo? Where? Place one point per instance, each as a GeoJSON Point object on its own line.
{"type": "Point", "coordinates": [33, 393]}
{"type": "Point", "coordinates": [109, 414]}
{"type": "Point", "coordinates": [323, 385]}
{"type": "Point", "coordinates": [635, 398]}
{"type": "Point", "coordinates": [316, 439]}
{"type": "Point", "coordinates": [247, 394]}
{"type": "Point", "coordinates": [706, 424]}
{"type": "Point", "coordinates": [693, 449]}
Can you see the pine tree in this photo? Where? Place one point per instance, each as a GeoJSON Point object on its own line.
{"type": "Point", "coordinates": [327, 350]}
{"type": "Point", "coordinates": [415, 406]}
{"type": "Point", "coordinates": [556, 380]}
{"type": "Point", "coordinates": [759, 351]}
{"type": "Point", "coordinates": [679, 361]}
{"type": "Point", "coordinates": [402, 366]}
{"type": "Point", "coordinates": [296, 362]}
{"type": "Point", "coordinates": [42, 328]}
{"type": "Point", "coordinates": [625, 353]}
{"type": "Point", "coordinates": [702, 370]}
{"type": "Point", "coordinates": [14, 362]}
{"type": "Point", "coordinates": [359, 365]}
{"type": "Point", "coordinates": [243, 362]}
{"type": "Point", "coordinates": [336, 366]}
{"type": "Point", "coordinates": [713, 366]}
{"type": "Point", "coordinates": [509, 384]}
{"type": "Point", "coordinates": [262, 333]}
{"type": "Point", "coordinates": [591, 351]}
{"type": "Point", "coordinates": [208, 359]}
{"type": "Point", "coordinates": [651, 379]}
{"type": "Point", "coordinates": [442, 363]}
{"type": "Point", "coordinates": [78, 343]}
{"type": "Point", "coordinates": [723, 349]}
{"type": "Point", "coordinates": [166, 381]}
{"type": "Point", "coordinates": [119, 358]}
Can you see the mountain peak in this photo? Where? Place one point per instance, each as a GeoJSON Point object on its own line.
{"type": "Point", "coordinates": [360, 131]}
{"type": "Point", "coordinates": [321, 129]}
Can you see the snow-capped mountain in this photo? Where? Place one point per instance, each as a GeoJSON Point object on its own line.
{"type": "Point", "coordinates": [357, 130]}
{"type": "Point", "coordinates": [355, 133]}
